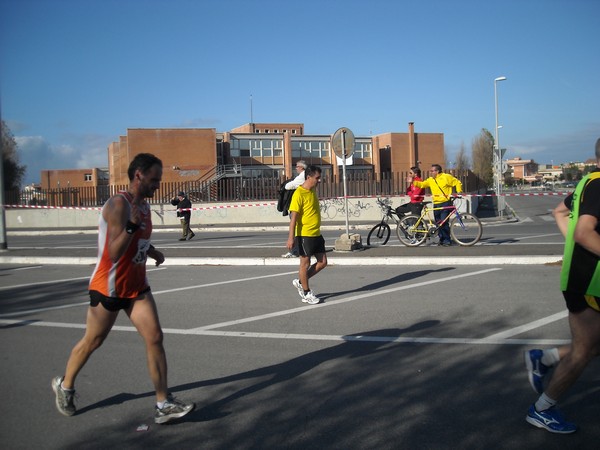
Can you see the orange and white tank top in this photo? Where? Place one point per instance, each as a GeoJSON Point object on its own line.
{"type": "Point", "coordinates": [125, 278]}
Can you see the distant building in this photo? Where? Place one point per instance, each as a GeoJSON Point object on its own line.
{"type": "Point", "coordinates": [254, 150]}
{"type": "Point", "coordinates": [524, 169]}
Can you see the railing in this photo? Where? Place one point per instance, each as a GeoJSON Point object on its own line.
{"type": "Point", "coordinates": [224, 187]}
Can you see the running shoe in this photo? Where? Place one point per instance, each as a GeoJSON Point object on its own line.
{"type": "Point", "coordinates": [289, 255]}
{"type": "Point", "coordinates": [551, 420]}
{"type": "Point", "coordinates": [536, 370]}
{"type": "Point", "coordinates": [64, 398]}
{"type": "Point", "coordinates": [310, 298]}
{"type": "Point", "coordinates": [172, 409]}
{"type": "Point", "coordinates": [298, 286]}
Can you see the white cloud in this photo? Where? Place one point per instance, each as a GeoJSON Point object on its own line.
{"type": "Point", "coordinates": [76, 151]}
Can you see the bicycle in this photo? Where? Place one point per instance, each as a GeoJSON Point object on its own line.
{"type": "Point", "coordinates": [465, 228]}
{"type": "Point", "coordinates": [380, 233]}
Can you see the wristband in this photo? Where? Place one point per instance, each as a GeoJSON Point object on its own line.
{"type": "Point", "coordinates": [131, 227]}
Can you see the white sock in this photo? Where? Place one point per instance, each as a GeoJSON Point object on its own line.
{"type": "Point", "coordinates": [161, 405]}
{"type": "Point", "coordinates": [550, 357]}
{"type": "Point", "coordinates": [62, 386]}
{"type": "Point", "coordinates": [544, 403]}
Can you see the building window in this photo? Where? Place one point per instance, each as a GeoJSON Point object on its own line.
{"type": "Point", "coordinates": [87, 177]}
{"type": "Point", "coordinates": [293, 131]}
{"type": "Point", "coordinates": [362, 148]}
{"type": "Point", "coordinates": [256, 147]}
{"type": "Point", "coordinates": [310, 148]}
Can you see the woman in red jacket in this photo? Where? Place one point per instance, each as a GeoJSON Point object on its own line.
{"type": "Point", "coordinates": [416, 195]}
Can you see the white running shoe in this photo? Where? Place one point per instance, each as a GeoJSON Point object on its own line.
{"type": "Point", "coordinates": [311, 298]}
{"type": "Point", "coordinates": [297, 285]}
{"type": "Point", "coordinates": [289, 255]}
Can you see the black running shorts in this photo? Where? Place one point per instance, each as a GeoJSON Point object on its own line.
{"type": "Point", "coordinates": [112, 303]}
{"type": "Point", "coordinates": [309, 246]}
{"type": "Point", "coordinates": [578, 302]}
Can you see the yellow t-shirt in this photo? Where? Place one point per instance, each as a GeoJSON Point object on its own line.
{"type": "Point", "coordinates": [440, 186]}
{"type": "Point", "coordinates": [306, 203]}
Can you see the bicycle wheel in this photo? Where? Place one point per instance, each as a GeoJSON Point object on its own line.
{"type": "Point", "coordinates": [379, 235]}
{"type": "Point", "coordinates": [466, 229]}
{"type": "Point", "coordinates": [409, 232]}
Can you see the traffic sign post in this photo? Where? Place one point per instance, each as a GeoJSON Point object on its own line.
{"type": "Point", "coordinates": [342, 144]}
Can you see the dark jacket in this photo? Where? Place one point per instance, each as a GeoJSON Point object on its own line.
{"type": "Point", "coordinates": [284, 199]}
{"type": "Point", "coordinates": [182, 204]}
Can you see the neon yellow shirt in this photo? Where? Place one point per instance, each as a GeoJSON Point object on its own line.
{"type": "Point", "coordinates": [440, 186]}
{"type": "Point", "coordinates": [306, 203]}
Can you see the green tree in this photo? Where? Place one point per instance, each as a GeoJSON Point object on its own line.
{"type": "Point", "coordinates": [13, 172]}
{"type": "Point", "coordinates": [482, 155]}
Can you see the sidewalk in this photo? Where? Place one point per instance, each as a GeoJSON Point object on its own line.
{"type": "Point", "coordinates": [197, 253]}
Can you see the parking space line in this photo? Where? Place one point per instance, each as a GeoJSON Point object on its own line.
{"type": "Point", "coordinates": [529, 326]}
{"type": "Point", "coordinates": [312, 337]}
{"type": "Point", "coordinates": [342, 300]}
{"type": "Point", "coordinates": [217, 283]}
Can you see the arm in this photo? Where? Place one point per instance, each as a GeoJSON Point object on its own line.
{"type": "Point", "coordinates": [117, 214]}
{"type": "Point", "coordinates": [296, 182]}
{"type": "Point", "coordinates": [586, 235]}
{"type": "Point", "coordinates": [291, 232]}
{"type": "Point", "coordinates": [561, 215]}
{"type": "Point", "coordinates": [156, 255]}
{"type": "Point", "coordinates": [458, 186]}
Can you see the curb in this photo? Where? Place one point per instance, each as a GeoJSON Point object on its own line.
{"type": "Point", "coordinates": [333, 261]}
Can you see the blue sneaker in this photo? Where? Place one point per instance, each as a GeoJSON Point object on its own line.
{"type": "Point", "coordinates": [551, 420]}
{"type": "Point", "coordinates": [536, 370]}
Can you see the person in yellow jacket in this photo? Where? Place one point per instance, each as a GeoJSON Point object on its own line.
{"type": "Point", "coordinates": [441, 186]}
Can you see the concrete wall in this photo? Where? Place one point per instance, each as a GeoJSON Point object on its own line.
{"type": "Point", "coordinates": [361, 211]}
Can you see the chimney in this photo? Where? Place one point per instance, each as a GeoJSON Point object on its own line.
{"type": "Point", "coordinates": [411, 144]}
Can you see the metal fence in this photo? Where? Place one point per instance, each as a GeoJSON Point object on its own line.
{"type": "Point", "coordinates": [230, 189]}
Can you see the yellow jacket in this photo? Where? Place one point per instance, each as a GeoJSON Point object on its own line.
{"type": "Point", "coordinates": [440, 186]}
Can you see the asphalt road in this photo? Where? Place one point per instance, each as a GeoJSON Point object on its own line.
{"type": "Point", "coordinates": [420, 356]}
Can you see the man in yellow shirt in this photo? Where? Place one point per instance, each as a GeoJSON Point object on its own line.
{"type": "Point", "coordinates": [441, 185]}
{"type": "Point", "coordinates": [305, 233]}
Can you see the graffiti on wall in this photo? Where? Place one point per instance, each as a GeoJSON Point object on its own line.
{"type": "Point", "coordinates": [335, 207]}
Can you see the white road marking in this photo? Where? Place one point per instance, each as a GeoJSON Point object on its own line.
{"type": "Point", "coordinates": [313, 337]}
{"type": "Point", "coordinates": [502, 338]}
{"type": "Point", "coordinates": [529, 326]}
{"type": "Point", "coordinates": [342, 300]}
{"type": "Point", "coordinates": [42, 283]}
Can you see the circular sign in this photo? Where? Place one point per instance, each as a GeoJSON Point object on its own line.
{"type": "Point", "coordinates": [342, 143]}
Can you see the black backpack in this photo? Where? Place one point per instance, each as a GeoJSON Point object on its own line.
{"type": "Point", "coordinates": [284, 198]}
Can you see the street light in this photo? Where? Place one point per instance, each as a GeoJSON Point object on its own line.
{"type": "Point", "coordinates": [498, 152]}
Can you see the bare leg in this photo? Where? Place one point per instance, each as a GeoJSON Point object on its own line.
{"type": "Point", "coordinates": [585, 331]}
{"type": "Point", "coordinates": [144, 316]}
{"type": "Point", "coordinates": [308, 271]}
{"type": "Point", "coordinates": [98, 324]}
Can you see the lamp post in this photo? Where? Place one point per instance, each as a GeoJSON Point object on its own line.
{"type": "Point", "coordinates": [498, 152]}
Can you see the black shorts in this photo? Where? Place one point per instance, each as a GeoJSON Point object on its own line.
{"type": "Point", "coordinates": [112, 303]}
{"type": "Point", "coordinates": [309, 246]}
{"type": "Point", "coordinates": [578, 302]}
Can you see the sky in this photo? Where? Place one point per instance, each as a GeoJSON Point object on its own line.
{"type": "Point", "coordinates": [76, 74]}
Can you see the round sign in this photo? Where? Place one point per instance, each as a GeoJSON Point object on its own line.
{"type": "Point", "coordinates": [342, 143]}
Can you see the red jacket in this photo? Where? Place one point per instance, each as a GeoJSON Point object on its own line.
{"type": "Point", "coordinates": [416, 194]}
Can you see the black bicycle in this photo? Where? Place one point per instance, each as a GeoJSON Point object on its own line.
{"type": "Point", "coordinates": [380, 233]}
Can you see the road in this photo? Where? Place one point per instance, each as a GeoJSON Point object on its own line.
{"type": "Point", "coordinates": [396, 357]}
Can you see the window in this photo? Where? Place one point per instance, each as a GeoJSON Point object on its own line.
{"type": "Point", "coordinates": [256, 147]}
{"type": "Point", "coordinates": [362, 148]}
{"type": "Point", "coordinates": [87, 177]}
{"type": "Point", "coordinates": [315, 148]}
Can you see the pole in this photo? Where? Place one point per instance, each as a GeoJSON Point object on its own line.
{"type": "Point", "coordinates": [498, 171]}
{"type": "Point", "coordinates": [344, 172]}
